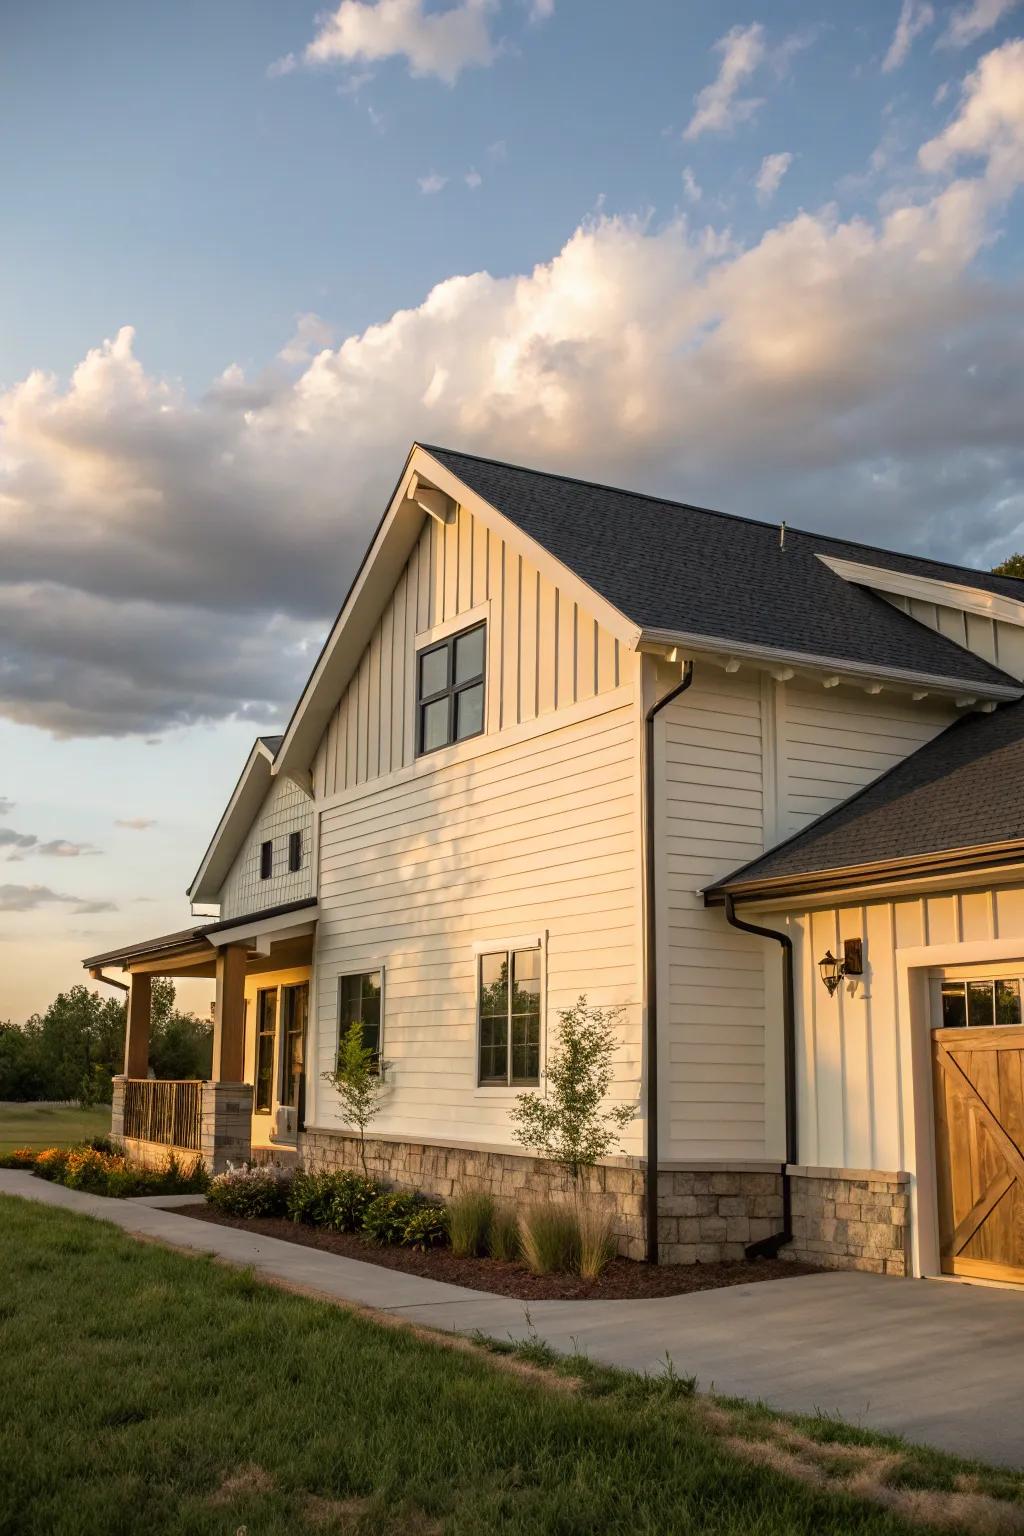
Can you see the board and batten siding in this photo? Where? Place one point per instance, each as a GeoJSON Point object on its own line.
{"type": "Point", "coordinates": [544, 652]}
{"type": "Point", "coordinates": [536, 837]}
{"type": "Point", "coordinates": [996, 640]}
{"type": "Point", "coordinates": [286, 809]}
{"type": "Point", "coordinates": [742, 762]}
{"type": "Point", "coordinates": [852, 1048]}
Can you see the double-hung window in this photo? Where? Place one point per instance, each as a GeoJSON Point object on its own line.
{"type": "Point", "coordinates": [450, 690]}
{"type": "Point", "coordinates": [509, 1017]}
{"type": "Point", "coordinates": [359, 1001]}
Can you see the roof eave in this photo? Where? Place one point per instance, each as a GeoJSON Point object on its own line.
{"type": "Point", "coordinates": [879, 873]}
{"type": "Point", "coordinates": [845, 670]}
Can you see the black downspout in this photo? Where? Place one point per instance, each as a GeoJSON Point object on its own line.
{"type": "Point", "coordinates": [651, 965]}
{"type": "Point", "coordinates": [768, 1247]}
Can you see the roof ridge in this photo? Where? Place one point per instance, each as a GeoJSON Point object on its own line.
{"type": "Point", "coordinates": [692, 506]}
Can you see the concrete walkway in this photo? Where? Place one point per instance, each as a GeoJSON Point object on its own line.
{"type": "Point", "coordinates": [938, 1362]}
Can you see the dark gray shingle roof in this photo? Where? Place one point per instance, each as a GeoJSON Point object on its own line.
{"type": "Point", "coordinates": [964, 789]}
{"type": "Point", "coordinates": [691, 571]}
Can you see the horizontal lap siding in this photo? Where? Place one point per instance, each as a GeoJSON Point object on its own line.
{"type": "Point", "coordinates": [286, 809]}
{"type": "Point", "coordinates": [539, 836]}
{"type": "Point", "coordinates": [544, 652]}
{"type": "Point", "coordinates": [832, 742]}
{"type": "Point", "coordinates": [711, 977]}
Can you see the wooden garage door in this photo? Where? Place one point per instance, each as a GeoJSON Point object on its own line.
{"type": "Point", "coordinates": [979, 1124]}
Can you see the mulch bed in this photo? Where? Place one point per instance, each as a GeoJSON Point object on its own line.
{"type": "Point", "coordinates": [624, 1279]}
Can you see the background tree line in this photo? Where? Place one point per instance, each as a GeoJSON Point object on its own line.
{"type": "Point", "coordinates": [75, 1048]}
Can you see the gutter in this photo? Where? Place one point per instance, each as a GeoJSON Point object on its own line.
{"type": "Point", "coordinates": [97, 975]}
{"type": "Point", "coordinates": [768, 1247]}
{"type": "Point", "coordinates": [651, 963]}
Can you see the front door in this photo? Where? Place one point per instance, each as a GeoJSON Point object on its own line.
{"type": "Point", "coordinates": [979, 1123]}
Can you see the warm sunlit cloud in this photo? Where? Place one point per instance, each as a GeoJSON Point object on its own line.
{"type": "Point", "coordinates": [168, 560]}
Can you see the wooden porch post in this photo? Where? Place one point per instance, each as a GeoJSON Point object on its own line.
{"type": "Point", "coordinates": [136, 1040]}
{"type": "Point", "coordinates": [229, 1021]}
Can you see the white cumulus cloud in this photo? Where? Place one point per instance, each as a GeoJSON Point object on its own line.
{"type": "Point", "coordinates": [969, 22]}
{"type": "Point", "coordinates": [168, 560]}
{"type": "Point", "coordinates": [719, 107]}
{"type": "Point", "coordinates": [769, 178]}
{"type": "Point", "coordinates": [433, 42]}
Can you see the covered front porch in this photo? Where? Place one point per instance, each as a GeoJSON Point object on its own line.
{"type": "Point", "coordinates": [253, 1105]}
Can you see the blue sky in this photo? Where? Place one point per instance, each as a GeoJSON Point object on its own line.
{"type": "Point", "coordinates": [763, 257]}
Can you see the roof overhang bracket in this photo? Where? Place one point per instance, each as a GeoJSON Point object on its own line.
{"type": "Point", "coordinates": [437, 504]}
{"type": "Point", "coordinates": [302, 778]}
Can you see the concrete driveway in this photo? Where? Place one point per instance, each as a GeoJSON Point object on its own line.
{"type": "Point", "coordinates": [938, 1362]}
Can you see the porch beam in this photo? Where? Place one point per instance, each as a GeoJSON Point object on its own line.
{"type": "Point", "coordinates": [229, 1019]}
{"type": "Point", "coordinates": [136, 1040]}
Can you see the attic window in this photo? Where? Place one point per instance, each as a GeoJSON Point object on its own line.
{"type": "Point", "coordinates": [294, 851]}
{"type": "Point", "coordinates": [266, 860]}
{"type": "Point", "coordinates": [450, 690]}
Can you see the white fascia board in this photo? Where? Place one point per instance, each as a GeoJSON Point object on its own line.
{"type": "Point", "coordinates": [928, 589]}
{"type": "Point", "coordinates": [246, 798]}
{"type": "Point", "coordinates": [845, 671]}
{"type": "Point", "coordinates": [286, 925]}
{"type": "Point", "coordinates": [375, 582]}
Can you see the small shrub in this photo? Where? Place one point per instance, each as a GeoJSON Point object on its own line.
{"type": "Point", "coordinates": [18, 1157]}
{"type": "Point", "coordinates": [427, 1227]}
{"type": "Point", "coordinates": [100, 1144]}
{"type": "Point", "coordinates": [597, 1241]}
{"type": "Point", "coordinates": [50, 1163]}
{"type": "Point", "coordinates": [250, 1191]}
{"type": "Point", "coordinates": [550, 1238]}
{"type": "Point", "coordinates": [386, 1217]}
{"type": "Point", "coordinates": [336, 1201]}
{"type": "Point", "coordinates": [89, 1170]}
{"type": "Point", "coordinates": [188, 1178]}
{"type": "Point", "coordinates": [469, 1222]}
{"type": "Point", "coordinates": [503, 1235]}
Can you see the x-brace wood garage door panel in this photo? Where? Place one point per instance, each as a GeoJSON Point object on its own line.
{"type": "Point", "coordinates": [979, 1128]}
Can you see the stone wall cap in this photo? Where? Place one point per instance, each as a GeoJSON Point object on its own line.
{"type": "Point", "coordinates": [806, 1171]}
{"type": "Point", "coordinates": [709, 1165]}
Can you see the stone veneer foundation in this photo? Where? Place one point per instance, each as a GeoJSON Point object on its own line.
{"type": "Point", "coordinates": [445, 1171]}
{"type": "Point", "coordinates": [842, 1218]}
{"type": "Point", "coordinates": [846, 1218]}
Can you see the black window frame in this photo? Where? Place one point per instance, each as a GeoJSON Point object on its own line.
{"type": "Point", "coordinates": [294, 1025]}
{"type": "Point", "coordinates": [294, 851]}
{"type": "Point", "coordinates": [509, 1080]}
{"type": "Point", "coordinates": [452, 690]}
{"type": "Point", "coordinates": [267, 858]}
{"type": "Point", "coordinates": [344, 1024]}
{"type": "Point", "coordinates": [266, 1035]}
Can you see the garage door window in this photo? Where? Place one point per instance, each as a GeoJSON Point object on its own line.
{"type": "Point", "coordinates": [967, 1004]}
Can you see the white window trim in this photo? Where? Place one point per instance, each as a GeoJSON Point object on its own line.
{"type": "Point", "coordinates": [509, 1091]}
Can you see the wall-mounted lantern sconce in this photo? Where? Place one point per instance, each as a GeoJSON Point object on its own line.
{"type": "Point", "coordinates": [833, 970]}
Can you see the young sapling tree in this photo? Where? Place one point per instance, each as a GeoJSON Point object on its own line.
{"type": "Point", "coordinates": [359, 1082]}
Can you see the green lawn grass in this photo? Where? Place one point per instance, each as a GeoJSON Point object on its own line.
{"type": "Point", "coordinates": [148, 1392]}
{"type": "Point", "coordinates": [40, 1125]}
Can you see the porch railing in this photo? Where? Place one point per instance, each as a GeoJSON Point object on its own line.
{"type": "Point", "coordinates": [170, 1113]}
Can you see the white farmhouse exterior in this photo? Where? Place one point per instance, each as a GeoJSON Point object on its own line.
{"type": "Point", "coordinates": [550, 723]}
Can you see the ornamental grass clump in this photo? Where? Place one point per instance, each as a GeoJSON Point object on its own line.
{"type": "Point", "coordinates": [550, 1238]}
{"type": "Point", "coordinates": [503, 1235]}
{"type": "Point", "coordinates": [597, 1245]}
{"type": "Point", "coordinates": [469, 1224]}
{"type": "Point", "coordinates": [250, 1191]}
